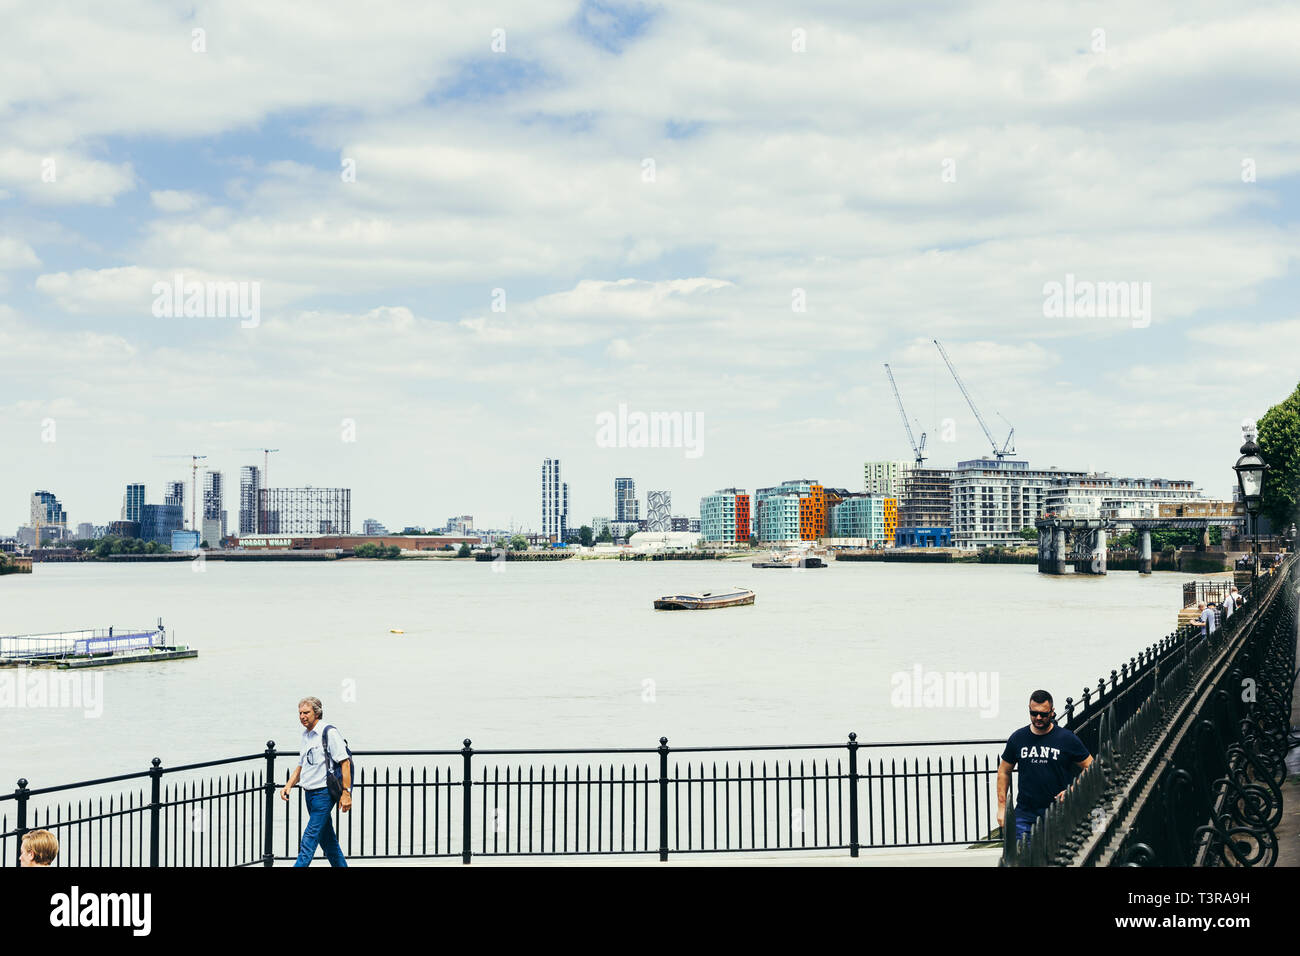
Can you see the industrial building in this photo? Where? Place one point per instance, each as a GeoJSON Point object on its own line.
{"type": "Point", "coordinates": [348, 542]}
{"type": "Point", "coordinates": [291, 511]}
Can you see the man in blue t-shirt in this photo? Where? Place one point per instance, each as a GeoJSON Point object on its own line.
{"type": "Point", "coordinates": [1047, 755]}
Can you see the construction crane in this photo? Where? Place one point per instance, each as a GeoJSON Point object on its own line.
{"type": "Point", "coordinates": [1008, 447]}
{"type": "Point", "coordinates": [194, 482]}
{"type": "Point", "coordinates": [266, 462]}
{"type": "Point", "coordinates": [916, 449]}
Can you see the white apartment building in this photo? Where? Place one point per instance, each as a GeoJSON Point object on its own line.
{"type": "Point", "coordinates": [1099, 495]}
{"type": "Point", "coordinates": [993, 499]}
{"type": "Point", "coordinates": [885, 478]}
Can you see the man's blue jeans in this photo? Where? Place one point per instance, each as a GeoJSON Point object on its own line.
{"type": "Point", "coordinates": [319, 830]}
{"type": "Point", "coordinates": [1025, 819]}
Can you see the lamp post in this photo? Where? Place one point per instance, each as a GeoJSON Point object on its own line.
{"type": "Point", "coordinates": [1250, 468]}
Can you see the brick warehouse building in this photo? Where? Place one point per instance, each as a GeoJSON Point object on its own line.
{"type": "Point", "coordinates": [348, 542]}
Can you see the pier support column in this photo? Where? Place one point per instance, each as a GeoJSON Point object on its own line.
{"type": "Point", "coordinates": [1144, 562]}
{"type": "Point", "coordinates": [1058, 555]}
{"type": "Point", "coordinates": [1205, 538]}
{"type": "Point", "coordinates": [1098, 552]}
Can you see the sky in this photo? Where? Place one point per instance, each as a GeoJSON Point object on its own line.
{"type": "Point", "coordinates": [472, 234]}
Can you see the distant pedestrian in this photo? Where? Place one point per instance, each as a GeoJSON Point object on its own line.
{"type": "Point", "coordinates": [312, 771]}
{"type": "Point", "coordinates": [38, 848]}
{"type": "Point", "coordinates": [1227, 607]}
{"type": "Point", "coordinates": [1237, 599]}
{"type": "Point", "coordinates": [1047, 755]}
{"type": "Point", "coordinates": [1207, 619]}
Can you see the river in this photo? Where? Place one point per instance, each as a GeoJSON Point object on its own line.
{"type": "Point", "coordinates": [561, 654]}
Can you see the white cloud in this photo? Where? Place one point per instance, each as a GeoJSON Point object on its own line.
{"type": "Point", "coordinates": [172, 200]}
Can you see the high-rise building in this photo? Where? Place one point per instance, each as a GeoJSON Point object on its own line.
{"type": "Point", "coordinates": [250, 489]}
{"type": "Point", "coordinates": [724, 517]}
{"type": "Point", "coordinates": [372, 527]}
{"type": "Point", "coordinates": [626, 507]}
{"type": "Point", "coordinates": [925, 510]}
{"type": "Point", "coordinates": [86, 530]}
{"type": "Point", "coordinates": [214, 512]}
{"type": "Point", "coordinates": [659, 504]}
{"type": "Point", "coordinates": [885, 478]}
{"type": "Point", "coordinates": [174, 494]}
{"type": "Point", "coordinates": [48, 516]}
{"type": "Point", "coordinates": [157, 522]}
{"type": "Point", "coordinates": [306, 511]}
{"type": "Point", "coordinates": [555, 501]}
{"type": "Point", "coordinates": [132, 502]}
{"type": "Point", "coordinates": [993, 499]}
{"type": "Point", "coordinates": [463, 524]}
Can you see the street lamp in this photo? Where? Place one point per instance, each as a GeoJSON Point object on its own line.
{"type": "Point", "coordinates": [1250, 468]}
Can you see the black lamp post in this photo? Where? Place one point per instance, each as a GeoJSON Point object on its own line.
{"type": "Point", "coordinates": [1250, 468]}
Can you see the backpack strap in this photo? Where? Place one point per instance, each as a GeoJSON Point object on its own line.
{"type": "Point", "coordinates": [325, 747]}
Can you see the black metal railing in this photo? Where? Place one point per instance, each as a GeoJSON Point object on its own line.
{"type": "Point", "coordinates": [1192, 776]}
{"type": "Point", "coordinates": [466, 803]}
{"type": "Point", "coordinates": [1133, 682]}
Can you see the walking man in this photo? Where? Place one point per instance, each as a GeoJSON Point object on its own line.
{"type": "Point", "coordinates": [311, 772]}
{"type": "Point", "coordinates": [1207, 619]}
{"type": "Point", "coordinates": [1046, 755]}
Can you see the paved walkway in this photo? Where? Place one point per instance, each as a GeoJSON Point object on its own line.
{"type": "Point", "coordinates": [922, 857]}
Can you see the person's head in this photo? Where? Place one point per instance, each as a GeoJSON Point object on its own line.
{"type": "Point", "coordinates": [1200, 606]}
{"type": "Point", "coordinates": [1041, 711]}
{"type": "Point", "coordinates": [309, 711]}
{"type": "Point", "coordinates": [39, 848]}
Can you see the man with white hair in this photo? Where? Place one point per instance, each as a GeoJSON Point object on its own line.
{"type": "Point", "coordinates": [312, 770]}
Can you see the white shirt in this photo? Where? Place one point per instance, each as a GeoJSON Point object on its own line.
{"type": "Point", "coordinates": [1207, 618]}
{"type": "Point", "coordinates": [312, 756]}
{"type": "Point", "coordinates": [1228, 605]}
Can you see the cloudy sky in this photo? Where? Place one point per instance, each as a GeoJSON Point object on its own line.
{"type": "Point", "coordinates": [471, 232]}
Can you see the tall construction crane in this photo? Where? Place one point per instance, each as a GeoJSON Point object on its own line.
{"type": "Point", "coordinates": [194, 482]}
{"type": "Point", "coordinates": [1008, 447]}
{"type": "Point", "coordinates": [266, 462]}
{"type": "Point", "coordinates": [916, 449]}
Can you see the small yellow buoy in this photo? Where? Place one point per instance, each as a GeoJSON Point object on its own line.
{"type": "Point", "coordinates": [396, 630]}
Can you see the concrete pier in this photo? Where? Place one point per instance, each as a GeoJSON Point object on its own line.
{"type": "Point", "coordinates": [1144, 561]}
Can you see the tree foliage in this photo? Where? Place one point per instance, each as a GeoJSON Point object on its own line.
{"type": "Point", "coordinates": [368, 549]}
{"type": "Point", "coordinates": [519, 543]}
{"type": "Point", "coordinates": [584, 536]}
{"type": "Point", "coordinates": [1279, 440]}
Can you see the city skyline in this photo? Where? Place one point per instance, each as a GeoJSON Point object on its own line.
{"type": "Point", "coordinates": [461, 260]}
